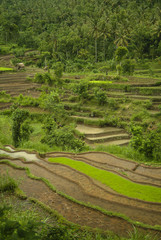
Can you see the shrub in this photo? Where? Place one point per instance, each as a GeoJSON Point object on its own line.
{"type": "Point", "coordinates": [4, 94]}
{"type": "Point", "coordinates": [147, 142]}
{"type": "Point", "coordinates": [113, 104]}
{"type": "Point", "coordinates": [58, 69]}
{"type": "Point", "coordinates": [39, 78]}
{"type": "Point", "coordinates": [140, 116]}
{"type": "Point", "coordinates": [44, 78]}
{"type": "Point", "coordinates": [128, 66]}
{"type": "Point", "coordinates": [19, 52]}
{"type": "Point", "coordinates": [7, 184]}
{"type": "Point", "coordinates": [48, 79]}
{"type": "Point", "coordinates": [82, 90]}
{"type": "Point", "coordinates": [61, 136]}
{"type": "Point", "coordinates": [104, 69]}
{"type": "Point", "coordinates": [100, 96]}
{"type": "Point", "coordinates": [50, 101]}
{"type": "Point", "coordinates": [120, 53]}
{"type": "Point", "coordinates": [21, 226]}
{"type": "Point", "coordinates": [15, 61]}
{"type": "Point", "coordinates": [26, 101]}
{"type": "Point", "coordinates": [137, 135]}
{"type": "Point", "coordinates": [20, 128]}
{"type": "Point", "coordinates": [148, 104]}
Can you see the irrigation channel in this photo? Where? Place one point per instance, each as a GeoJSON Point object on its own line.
{"type": "Point", "coordinates": [85, 200]}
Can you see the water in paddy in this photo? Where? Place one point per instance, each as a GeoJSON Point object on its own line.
{"type": "Point", "coordinates": [21, 154]}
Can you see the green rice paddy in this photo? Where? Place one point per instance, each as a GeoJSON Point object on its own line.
{"type": "Point", "coordinates": [114, 181]}
{"type": "Point", "coordinates": [4, 69]}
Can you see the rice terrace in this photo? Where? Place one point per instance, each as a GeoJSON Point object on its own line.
{"type": "Point", "coordinates": [92, 188]}
{"type": "Point", "coordinates": [80, 120]}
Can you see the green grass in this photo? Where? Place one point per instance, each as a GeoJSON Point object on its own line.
{"type": "Point", "coordinates": [117, 183]}
{"type": "Point", "coordinates": [5, 130]}
{"type": "Point", "coordinates": [7, 183]}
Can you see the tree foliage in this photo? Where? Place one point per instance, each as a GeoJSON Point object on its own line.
{"type": "Point", "coordinates": [91, 30]}
{"type": "Point", "coordinates": [20, 128]}
{"type": "Point", "coordinates": [61, 136]}
{"type": "Point", "coordinates": [147, 142]}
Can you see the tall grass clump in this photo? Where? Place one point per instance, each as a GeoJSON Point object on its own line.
{"type": "Point", "coordinates": [7, 183]}
{"type": "Point", "coordinates": [137, 235]}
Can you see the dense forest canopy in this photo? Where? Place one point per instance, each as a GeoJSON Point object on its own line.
{"type": "Point", "coordinates": [83, 30]}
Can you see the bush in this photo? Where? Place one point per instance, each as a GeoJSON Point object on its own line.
{"type": "Point", "coordinates": [113, 104]}
{"type": "Point", "coordinates": [147, 142]}
{"type": "Point", "coordinates": [100, 96]}
{"type": "Point", "coordinates": [43, 78]}
{"type": "Point", "coordinates": [62, 136]}
{"type": "Point", "coordinates": [20, 128]}
{"type": "Point", "coordinates": [15, 61]}
{"type": "Point", "coordinates": [128, 66]}
{"type": "Point", "coordinates": [26, 101]}
{"type": "Point", "coordinates": [48, 79]}
{"type": "Point", "coordinates": [18, 226]}
{"type": "Point", "coordinates": [7, 184]}
{"type": "Point", "coordinates": [19, 52]}
{"type": "Point", "coordinates": [58, 69]}
{"type": "Point", "coordinates": [39, 78]}
{"type": "Point", "coordinates": [104, 69]}
{"type": "Point", "coordinates": [148, 104]}
{"type": "Point", "coordinates": [120, 53]}
{"type": "Point", "coordinates": [81, 89]}
{"type": "Point", "coordinates": [140, 116]}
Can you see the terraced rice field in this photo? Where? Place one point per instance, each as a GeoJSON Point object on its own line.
{"type": "Point", "coordinates": [16, 83]}
{"type": "Point", "coordinates": [106, 136]}
{"type": "Point", "coordinates": [79, 196]}
{"type": "Point", "coordinates": [85, 200]}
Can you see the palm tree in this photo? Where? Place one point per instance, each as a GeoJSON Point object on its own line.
{"type": "Point", "coordinates": [122, 37]}
{"type": "Point", "coordinates": [104, 32]}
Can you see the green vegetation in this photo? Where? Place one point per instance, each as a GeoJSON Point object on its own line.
{"type": "Point", "coordinates": [62, 136]}
{"type": "Point", "coordinates": [34, 222]}
{"type": "Point", "coordinates": [5, 130]}
{"type": "Point", "coordinates": [117, 183]}
{"type": "Point", "coordinates": [134, 223]}
{"type": "Point", "coordinates": [20, 127]}
{"type": "Point", "coordinates": [89, 51]}
{"type": "Point", "coordinates": [86, 33]}
{"type": "Point", "coordinates": [18, 225]}
{"type": "Point", "coordinates": [147, 142]}
{"type": "Point", "coordinates": [7, 183]}
{"type": "Point", "coordinates": [4, 69]}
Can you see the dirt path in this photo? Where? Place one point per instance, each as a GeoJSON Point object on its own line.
{"type": "Point", "coordinates": [70, 210]}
